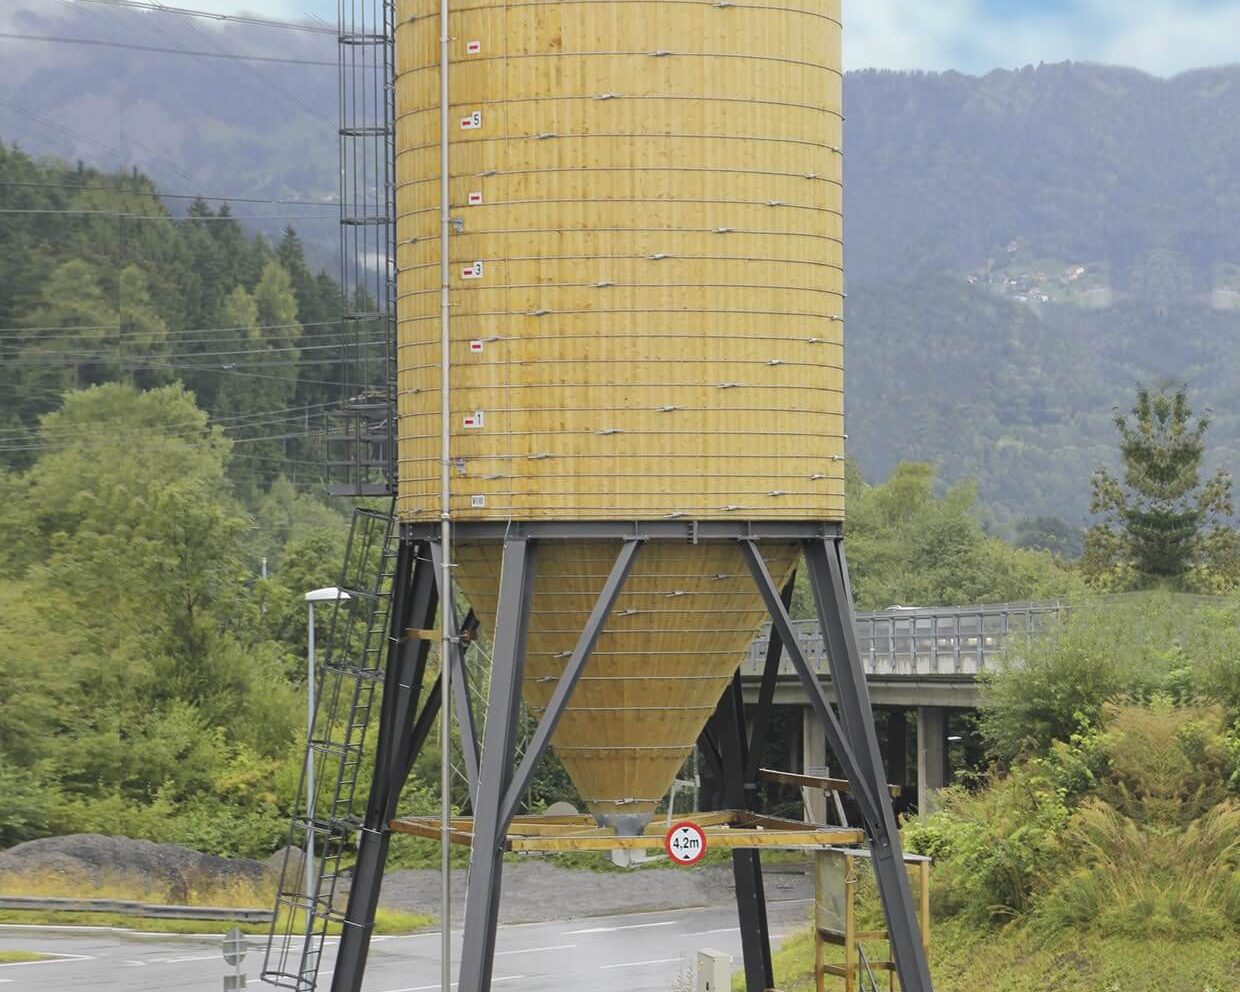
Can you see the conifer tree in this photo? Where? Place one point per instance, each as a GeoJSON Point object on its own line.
{"type": "Point", "coordinates": [1161, 524]}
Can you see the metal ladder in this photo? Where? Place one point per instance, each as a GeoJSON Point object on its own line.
{"type": "Point", "coordinates": [349, 680]}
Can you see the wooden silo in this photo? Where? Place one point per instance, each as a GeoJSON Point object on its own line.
{"type": "Point", "coordinates": [629, 287]}
{"type": "Point", "coordinates": [646, 324]}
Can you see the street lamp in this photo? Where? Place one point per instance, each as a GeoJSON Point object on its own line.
{"type": "Point", "coordinates": [329, 594]}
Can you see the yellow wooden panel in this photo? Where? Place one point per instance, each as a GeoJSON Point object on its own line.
{"type": "Point", "coordinates": [681, 626]}
{"type": "Point", "coordinates": [654, 193]}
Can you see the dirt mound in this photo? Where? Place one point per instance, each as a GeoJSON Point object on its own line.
{"type": "Point", "coordinates": [100, 860]}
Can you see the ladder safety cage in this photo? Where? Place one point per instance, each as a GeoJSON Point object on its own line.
{"type": "Point", "coordinates": [362, 434]}
{"type": "Point", "coordinates": [328, 812]}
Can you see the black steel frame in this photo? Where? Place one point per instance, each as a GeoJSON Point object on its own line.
{"type": "Point", "coordinates": [501, 779]}
{"type": "Point", "coordinates": [403, 730]}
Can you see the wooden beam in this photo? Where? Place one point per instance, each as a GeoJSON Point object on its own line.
{"type": "Point", "coordinates": [431, 830]}
{"type": "Point", "coordinates": [813, 781]}
{"type": "Point", "coordinates": [571, 834]}
{"type": "Point", "coordinates": [722, 839]}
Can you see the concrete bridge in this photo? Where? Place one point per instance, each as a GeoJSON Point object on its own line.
{"type": "Point", "coordinates": [923, 663]}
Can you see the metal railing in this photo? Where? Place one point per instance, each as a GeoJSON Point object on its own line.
{"type": "Point", "coordinates": [952, 641]}
{"type": "Point", "coordinates": [126, 907]}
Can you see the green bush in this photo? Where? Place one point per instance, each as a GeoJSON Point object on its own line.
{"type": "Point", "coordinates": [1130, 648]}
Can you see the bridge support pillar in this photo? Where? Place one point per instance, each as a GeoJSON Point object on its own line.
{"type": "Point", "coordinates": [813, 762]}
{"type": "Point", "coordinates": [897, 744]}
{"type": "Point", "coordinates": [931, 752]}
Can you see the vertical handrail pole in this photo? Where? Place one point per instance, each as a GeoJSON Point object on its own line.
{"type": "Point", "coordinates": [447, 642]}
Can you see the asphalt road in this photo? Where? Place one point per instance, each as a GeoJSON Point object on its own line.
{"type": "Point", "coordinates": [640, 952]}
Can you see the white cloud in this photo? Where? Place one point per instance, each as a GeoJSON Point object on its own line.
{"type": "Point", "coordinates": [1159, 36]}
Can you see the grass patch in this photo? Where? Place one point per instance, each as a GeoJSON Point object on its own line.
{"type": "Point", "coordinates": [387, 922]}
{"type": "Point", "coordinates": [141, 924]}
{"type": "Point", "coordinates": [202, 892]}
{"type": "Point", "coordinates": [22, 957]}
{"type": "Point", "coordinates": [966, 959]}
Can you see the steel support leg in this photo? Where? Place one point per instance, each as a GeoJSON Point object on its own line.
{"type": "Point", "coordinates": [828, 573]}
{"type": "Point", "coordinates": [729, 730]}
{"type": "Point", "coordinates": [486, 856]}
{"type": "Point", "coordinates": [766, 693]}
{"type": "Point", "coordinates": [414, 599]}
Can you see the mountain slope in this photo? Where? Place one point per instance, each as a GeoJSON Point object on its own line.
{"type": "Point", "coordinates": [1022, 248]}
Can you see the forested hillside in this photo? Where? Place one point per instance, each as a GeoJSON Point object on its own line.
{"type": "Point", "coordinates": [1018, 398]}
{"type": "Point", "coordinates": [100, 284]}
{"type": "Point", "coordinates": [1022, 247]}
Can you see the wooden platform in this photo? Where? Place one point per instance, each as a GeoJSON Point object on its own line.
{"type": "Point", "coordinates": [724, 830]}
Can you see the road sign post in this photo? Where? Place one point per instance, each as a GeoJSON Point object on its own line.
{"type": "Point", "coordinates": [685, 843]}
{"type": "Point", "coordinates": [234, 949]}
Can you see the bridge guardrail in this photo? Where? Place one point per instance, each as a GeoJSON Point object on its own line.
{"type": "Point", "coordinates": [954, 641]}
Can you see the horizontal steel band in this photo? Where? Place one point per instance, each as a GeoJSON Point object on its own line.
{"type": "Point", "coordinates": [651, 530]}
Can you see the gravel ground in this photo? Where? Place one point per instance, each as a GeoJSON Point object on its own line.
{"type": "Point", "coordinates": [535, 890]}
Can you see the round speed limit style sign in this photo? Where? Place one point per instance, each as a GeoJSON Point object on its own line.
{"type": "Point", "coordinates": [685, 843]}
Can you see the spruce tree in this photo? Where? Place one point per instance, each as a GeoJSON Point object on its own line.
{"type": "Point", "coordinates": [1161, 524]}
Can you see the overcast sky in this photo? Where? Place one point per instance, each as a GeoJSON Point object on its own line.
{"type": "Point", "coordinates": [1159, 36]}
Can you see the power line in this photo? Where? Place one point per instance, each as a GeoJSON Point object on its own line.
{"type": "Point", "coordinates": [168, 217]}
{"type": "Point", "coordinates": [164, 8]}
{"type": "Point", "coordinates": [17, 331]}
{"type": "Point", "coordinates": [120, 155]}
{"type": "Point", "coordinates": [334, 204]}
{"type": "Point", "coordinates": [284, 413]}
{"type": "Point", "coordinates": [63, 439]}
{"type": "Point", "coordinates": [235, 56]}
{"type": "Point", "coordinates": [78, 357]}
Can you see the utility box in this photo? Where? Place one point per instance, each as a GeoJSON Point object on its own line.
{"type": "Point", "coordinates": [714, 971]}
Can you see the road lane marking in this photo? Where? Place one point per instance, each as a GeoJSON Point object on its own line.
{"type": "Point", "coordinates": [532, 950]}
{"type": "Point", "coordinates": [57, 959]}
{"type": "Point", "coordinates": [638, 964]}
{"type": "Point", "coordinates": [631, 926]}
{"type": "Point", "coordinates": [197, 957]}
{"type": "Point", "coordinates": [704, 933]}
{"type": "Point", "coordinates": [439, 985]}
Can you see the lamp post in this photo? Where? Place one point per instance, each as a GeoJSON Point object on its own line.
{"type": "Point", "coordinates": [328, 594]}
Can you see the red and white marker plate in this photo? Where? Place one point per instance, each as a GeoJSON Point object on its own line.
{"type": "Point", "coordinates": [685, 843]}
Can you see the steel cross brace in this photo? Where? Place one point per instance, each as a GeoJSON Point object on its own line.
{"type": "Point", "coordinates": [735, 757]}
{"type": "Point", "coordinates": [430, 710]}
{"type": "Point", "coordinates": [500, 787]}
{"type": "Point", "coordinates": [460, 684]}
{"type": "Point", "coordinates": [851, 736]}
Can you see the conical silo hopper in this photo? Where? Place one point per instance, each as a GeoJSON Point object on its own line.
{"type": "Point", "coordinates": [686, 616]}
{"type": "Point", "coordinates": [645, 319]}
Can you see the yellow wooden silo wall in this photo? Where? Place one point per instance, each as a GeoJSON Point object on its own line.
{"type": "Point", "coordinates": [659, 318]}
{"type": "Point", "coordinates": [659, 310]}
